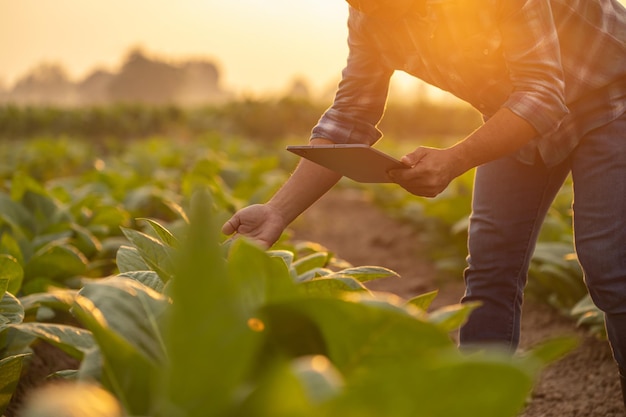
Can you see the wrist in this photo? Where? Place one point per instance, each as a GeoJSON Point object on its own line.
{"type": "Point", "coordinates": [461, 159]}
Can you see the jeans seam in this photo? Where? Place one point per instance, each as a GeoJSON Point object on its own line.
{"type": "Point", "coordinates": [520, 291]}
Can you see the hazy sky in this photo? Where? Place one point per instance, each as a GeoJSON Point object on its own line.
{"type": "Point", "coordinates": [259, 45]}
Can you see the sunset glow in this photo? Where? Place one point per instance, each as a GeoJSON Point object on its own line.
{"type": "Point", "coordinates": [259, 46]}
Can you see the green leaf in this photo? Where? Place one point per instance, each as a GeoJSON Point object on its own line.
{"type": "Point", "coordinates": [331, 287]}
{"type": "Point", "coordinates": [259, 278]}
{"type": "Point", "coordinates": [121, 319]}
{"type": "Point", "coordinates": [57, 300]}
{"type": "Point", "coordinates": [552, 350]}
{"type": "Point", "coordinates": [367, 273]}
{"type": "Point", "coordinates": [11, 270]}
{"type": "Point", "coordinates": [131, 310]}
{"type": "Point", "coordinates": [10, 246]}
{"type": "Point", "coordinates": [128, 259]}
{"type": "Point", "coordinates": [11, 309]}
{"type": "Point", "coordinates": [72, 340]}
{"type": "Point", "coordinates": [56, 260]}
{"type": "Point", "coordinates": [148, 278]}
{"type": "Point", "coordinates": [583, 306]}
{"type": "Point", "coordinates": [493, 386]}
{"type": "Point", "coordinates": [313, 274]}
{"type": "Point", "coordinates": [109, 216]}
{"type": "Point", "coordinates": [16, 215]}
{"type": "Point", "coordinates": [10, 371]}
{"type": "Point", "coordinates": [162, 233]}
{"type": "Point", "coordinates": [286, 255]}
{"type": "Point", "coordinates": [280, 393]}
{"type": "Point", "coordinates": [85, 241]}
{"type": "Point", "coordinates": [358, 335]}
{"type": "Point", "coordinates": [453, 316]}
{"type": "Point", "coordinates": [155, 253]}
{"type": "Point", "coordinates": [423, 301]}
{"type": "Point", "coordinates": [314, 260]}
{"type": "Point", "coordinates": [319, 378]}
{"type": "Point", "coordinates": [212, 334]}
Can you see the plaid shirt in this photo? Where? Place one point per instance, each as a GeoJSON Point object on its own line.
{"type": "Point", "coordinates": [559, 64]}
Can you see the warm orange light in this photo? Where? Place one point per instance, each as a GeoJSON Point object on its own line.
{"type": "Point", "coordinates": [256, 325]}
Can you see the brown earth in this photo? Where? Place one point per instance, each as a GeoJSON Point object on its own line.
{"type": "Point", "coordinates": [583, 384]}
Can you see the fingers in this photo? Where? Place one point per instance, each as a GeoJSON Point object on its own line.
{"type": "Point", "coordinates": [231, 225]}
{"type": "Point", "coordinates": [411, 160]}
{"type": "Point", "coordinates": [414, 157]}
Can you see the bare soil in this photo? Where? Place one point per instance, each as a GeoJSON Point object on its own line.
{"type": "Point", "coordinates": [583, 384]}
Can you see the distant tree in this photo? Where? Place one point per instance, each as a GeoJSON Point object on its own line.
{"type": "Point", "coordinates": [4, 92]}
{"type": "Point", "coordinates": [46, 84]}
{"type": "Point", "coordinates": [95, 88]}
{"type": "Point", "coordinates": [143, 80]}
{"type": "Point", "coordinates": [299, 89]}
{"type": "Point", "coordinates": [200, 84]}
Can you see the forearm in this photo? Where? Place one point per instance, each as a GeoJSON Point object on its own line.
{"type": "Point", "coordinates": [502, 134]}
{"type": "Point", "coordinates": [304, 187]}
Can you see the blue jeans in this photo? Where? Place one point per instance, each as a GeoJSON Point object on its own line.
{"type": "Point", "coordinates": [510, 202]}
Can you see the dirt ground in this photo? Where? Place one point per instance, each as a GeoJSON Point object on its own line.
{"type": "Point", "coordinates": [583, 384]}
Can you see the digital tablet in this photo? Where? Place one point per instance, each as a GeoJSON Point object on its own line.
{"type": "Point", "coordinates": [358, 162]}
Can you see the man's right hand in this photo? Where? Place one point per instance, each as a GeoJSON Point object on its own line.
{"type": "Point", "coordinates": [260, 222]}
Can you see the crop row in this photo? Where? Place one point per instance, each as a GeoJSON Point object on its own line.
{"type": "Point", "coordinates": [114, 258]}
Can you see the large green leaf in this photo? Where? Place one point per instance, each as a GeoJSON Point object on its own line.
{"type": "Point", "coordinates": [211, 335]}
{"type": "Point", "coordinates": [155, 253]}
{"type": "Point", "coordinates": [11, 270]}
{"type": "Point", "coordinates": [162, 233]}
{"type": "Point", "coordinates": [10, 246]}
{"type": "Point", "coordinates": [61, 300]}
{"type": "Point", "coordinates": [148, 278]}
{"type": "Point", "coordinates": [423, 301]}
{"type": "Point", "coordinates": [453, 316]}
{"type": "Point", "coordinates": [359, 334]}
{"type": "Point", "coordinates": [16, 215]}
{"type": "Point", "coordinates": [259, 278]}
{"type": "Point", "coordinates": [85, 241]}
{"type": "Point", "coordinates": [72, 340]}
{"type": "Point", "coordinates": [56, 260]}
{"type": "Point", "coordinates": [308, 262]}
{"type": "Point", "coordinates": [301, 387]}
{"type": "Point", "coordinates": [331, 286]}
{"type": "Point", "coordinates": [367, 273]}
{"type": "Point", "coordinates": [379, 340]}
{"type": "Point", "coordinates": [10, 371]}
{"type": "Point", "coordinates": [121, 319]}
{"type": "Point", "coordinates": [132, 311]}
{"type": "Point", "coordinates": [128, 259]}
{"type": "Point", "coordinates": [11, 309]}
{"type": "Point", "coordinates": [444, 384]}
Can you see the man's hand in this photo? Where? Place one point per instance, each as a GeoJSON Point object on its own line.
{"type": "Point", "coordinates": [430, 173]}
{"type": "Point", "coordinates": [260, 222]}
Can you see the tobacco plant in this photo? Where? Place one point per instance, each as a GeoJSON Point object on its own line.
{"type": "Point", "coordinates": [195, 327]}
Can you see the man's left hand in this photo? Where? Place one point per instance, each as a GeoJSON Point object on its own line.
{"type": "Point", "coordinates": [430, 172]}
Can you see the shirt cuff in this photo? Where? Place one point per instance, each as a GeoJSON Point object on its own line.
{"type": "Point", "coordinates": [545, 116]}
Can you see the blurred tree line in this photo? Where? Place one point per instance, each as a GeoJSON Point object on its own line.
{"type": "Point", "coordinates": [140, 79]}
{"type": "Point", "coordinates": [262, 119]}
{"type": "Point", "coordinates": [149, 96]}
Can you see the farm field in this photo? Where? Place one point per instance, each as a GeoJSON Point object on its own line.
{"type": "Point", "coordinates": [581, 384]}
{"type": "Point", "coordinates": [115, 280]}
